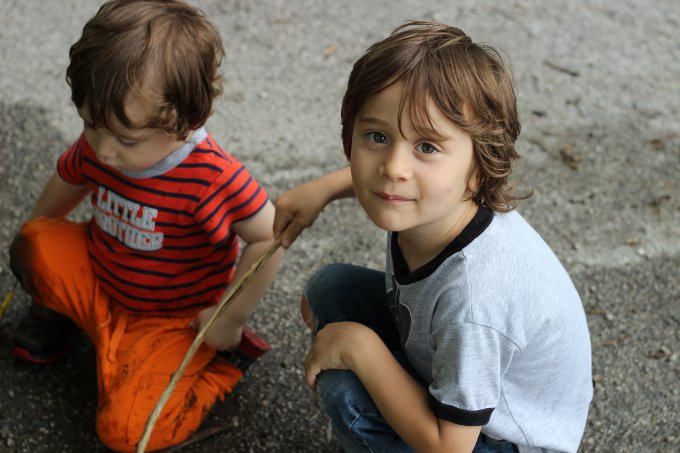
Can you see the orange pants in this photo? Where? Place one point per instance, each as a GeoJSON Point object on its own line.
{"type": "Point", "coordinates": [135, 354]}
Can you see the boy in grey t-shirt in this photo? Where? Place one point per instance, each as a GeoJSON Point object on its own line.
{"type": "Point", "coordinates": [474, 339]}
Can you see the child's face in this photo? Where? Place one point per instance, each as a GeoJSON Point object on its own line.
{"type": "Point", "coordinates": [416, 183]}
{"type": "Point", "coordinates": [129, 149]}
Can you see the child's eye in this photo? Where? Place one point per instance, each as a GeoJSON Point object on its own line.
{"type": "Point", "coordinates": [427, 148]}
{"type": "Point", "coordinates": [377, 137]}
{"type": "Point", "coordinates": [126, 143]}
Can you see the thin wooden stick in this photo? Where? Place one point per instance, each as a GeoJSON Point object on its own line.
{"type": "Point", "coordinates": [6, 301]}
{"type": "Point", "coordinates": [234, 290]}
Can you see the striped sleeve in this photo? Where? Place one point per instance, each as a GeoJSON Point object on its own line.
{"type": "Point", "coordinates": [70, 163]}
{"type": "Point", "coordinates": [233, 197]}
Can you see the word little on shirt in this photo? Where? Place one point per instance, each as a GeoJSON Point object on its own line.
{"type": "Point", "coordinates": [129, 222]}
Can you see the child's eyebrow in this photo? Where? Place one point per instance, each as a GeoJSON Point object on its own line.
{"type": "Point", "coordinates": [432, 134]}
{"type": "Point", "coordinates": [117, 133]}
{"type": "Point", "coordinates": [126, 133]}
{"type": "Point", "coordinates": [128, 137]}
{"type": "Point", "coordinates": [425, 131]}
{"type": "Point", "coordinates": [371, 120]}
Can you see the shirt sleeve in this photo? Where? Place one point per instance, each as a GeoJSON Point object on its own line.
{"type": "Point", "coordinates": [468, 362]}
{"type": "Point", "coordinates": [231, 198]}
{"type": "Point", "coordinates": [70, 163]}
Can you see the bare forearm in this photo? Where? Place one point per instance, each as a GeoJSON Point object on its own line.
{"type": "Point", "coordinates": [299, 207]}
{"type": "Point", "coordinates": [400, 399]}
{"type": "Point", "coordinates": [404, 404]}
{"type": "Point", "coordinates": [58, 198]}
{"type": "Point", "coordinates": [336, 185]}
{"type": "Point", "coordinates": [242, 307]}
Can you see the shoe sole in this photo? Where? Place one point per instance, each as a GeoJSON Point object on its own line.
{"type": "Point", "coordinates": [26, 356]}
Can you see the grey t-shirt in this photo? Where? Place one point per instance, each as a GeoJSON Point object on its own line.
{"type": "Point", "coordinates": [497, 330]}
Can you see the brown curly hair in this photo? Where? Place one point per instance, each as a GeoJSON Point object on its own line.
{"type": "Point", "coordinates": [469, 83]}
{"type": "Point", "coordinates": [167, 49]}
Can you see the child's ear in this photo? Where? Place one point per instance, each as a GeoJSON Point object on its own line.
{"type": "Point", "coordinates": [474, 181]}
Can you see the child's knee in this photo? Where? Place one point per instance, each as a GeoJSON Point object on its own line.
{"type": "Point", "coordinates": [121, 422]}
{"type": "Point", "coordinates": [122, 415]}
{"type": "Point", "coordinates": [323, 285]}
{"type": "Point", "coordinates": [112, 427]}
{"type": "Point", "coordinates": [23, 262]}
{"type": "Point", "coordinates": [41, 241]}
{"type": "Point", "coordinates": [120, 427]}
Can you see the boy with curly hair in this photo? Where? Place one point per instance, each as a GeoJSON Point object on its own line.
{"type": "Point", "coordinates": [474, 338]}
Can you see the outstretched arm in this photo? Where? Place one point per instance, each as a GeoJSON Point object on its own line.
{"type": "Point", "coordinates": [58, 198]}
{"type": "Point", "coordinates": [297, 208]}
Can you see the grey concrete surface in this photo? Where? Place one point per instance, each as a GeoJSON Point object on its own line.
{"type": "Point", "coordinates": [599, 96]}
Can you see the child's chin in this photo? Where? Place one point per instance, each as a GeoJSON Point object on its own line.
{"type": "Point", "coordinates": [386, 223]}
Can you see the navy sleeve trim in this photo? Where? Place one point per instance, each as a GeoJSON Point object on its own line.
{"type": "Point", "coordinates": [459, 416]}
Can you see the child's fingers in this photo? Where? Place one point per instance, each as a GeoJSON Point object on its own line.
{"type": "Point", "coordinates": [310, 376]}
{"type": "Point", "coordinates": [312, 369]}
{"type": "Point", "coordinates": [291, 233]}
{"type": "Point", "coordinates": [289, 229]}
{"type": "Point", "coordinates": [281, 221]}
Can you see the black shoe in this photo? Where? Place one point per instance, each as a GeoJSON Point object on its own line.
{"type": "Point", "coordinates": [251, 347]}
{"type": "Point", "coordinates": [43, 336]}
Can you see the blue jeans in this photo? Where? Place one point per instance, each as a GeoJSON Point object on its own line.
{"type": "Point", "coordinates": [343, 292]}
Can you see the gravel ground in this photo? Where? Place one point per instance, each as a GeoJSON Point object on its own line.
{"type": "Point", "coordinates": [599, 93]}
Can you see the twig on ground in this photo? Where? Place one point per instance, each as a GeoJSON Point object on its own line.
{"type": "Point", "coordinates": [560, 68]}
{"type": "Point", "coordinates": [6, 301]}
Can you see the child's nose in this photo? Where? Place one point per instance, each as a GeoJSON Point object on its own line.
{"type": "Point", "coordinates": [396, 165]}
{"type": "Point", "coordinates": [106, 149]}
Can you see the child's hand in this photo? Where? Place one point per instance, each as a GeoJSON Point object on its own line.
{"type": "Point", "coordinates": [20, 264]}
{"type": "Point", "coordinates": [335, 348]}
{"type": "Point", "coordinates": [296, 210]}
{"type": "Point", "coordinates": [224, 335]}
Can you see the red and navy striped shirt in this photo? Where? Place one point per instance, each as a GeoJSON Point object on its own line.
{"type": "Point", "coordinates": [163, 244]}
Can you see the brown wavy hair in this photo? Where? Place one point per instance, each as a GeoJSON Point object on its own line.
{"type": "Point", "coordinates": [469, 83]}
{"type": "Point", "coordinates": [167, 49]}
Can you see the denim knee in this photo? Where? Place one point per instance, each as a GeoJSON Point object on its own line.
{"type": "Point", "coordinates": [321, 288]}
{"type": "Point", "coordinates": [345, 292]}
